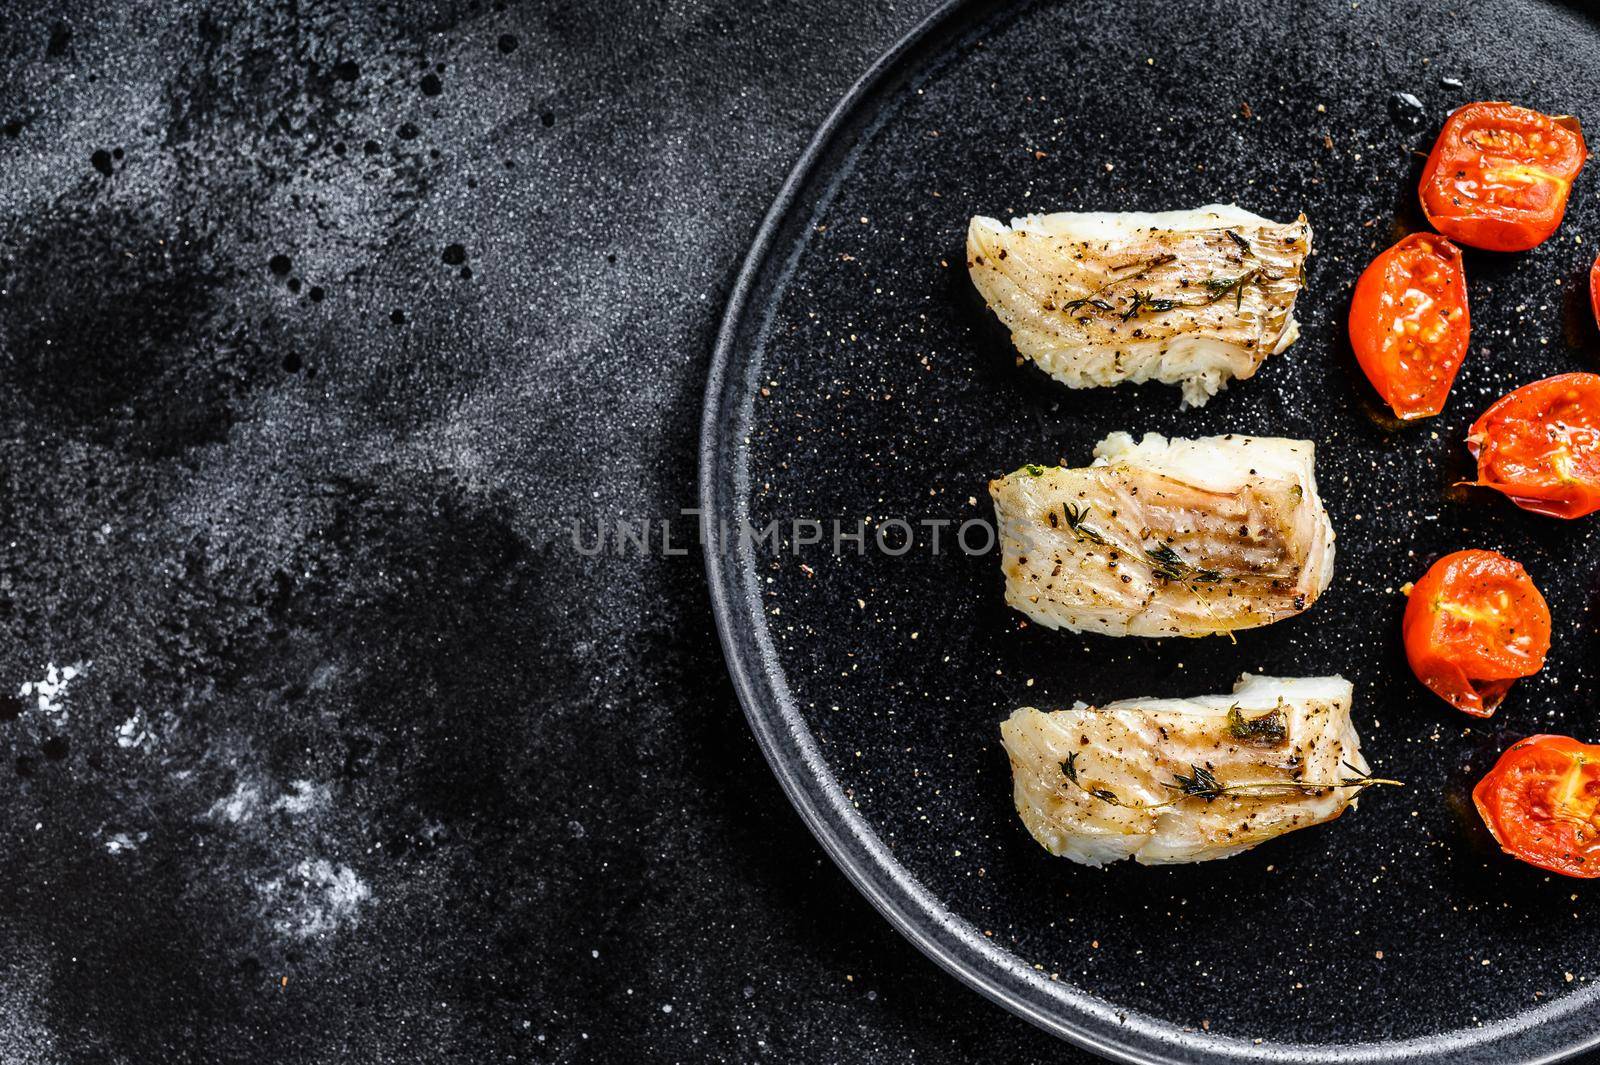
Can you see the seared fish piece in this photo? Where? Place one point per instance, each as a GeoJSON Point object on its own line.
{"type": "Point", "coordinates": [1166, 537]}
{"type": "Point", "coordinates": [1195, 298]}
{"type": "Point", "coordinates": [1186, 780]}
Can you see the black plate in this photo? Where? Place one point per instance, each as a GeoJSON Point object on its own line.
{"type": "Point", "coordinates": [857, 376]}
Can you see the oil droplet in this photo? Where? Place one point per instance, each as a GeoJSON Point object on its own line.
{"type": "Point", "coordinates": [102, 161]}
{"type": "Point", "coordinates": [431, 85]}
{"type": "Point", "coordinates": [454, 255]}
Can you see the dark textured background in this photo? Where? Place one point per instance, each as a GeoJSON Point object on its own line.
{"type": "Point", "coordinates": [317, 323]}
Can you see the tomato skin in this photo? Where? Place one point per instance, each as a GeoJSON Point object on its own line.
{"type": "Point", "coordinates": [1594, 290]}
{"type": "Point", "coordinates": [1539, 802]}
{"type": "Point", "coordinates": [1499, 175]}
{"type": "Point", "coordinates": [1409, 324]}
{"type": "Point", "coordinates": [1474, 624]}
{"type": "Point", "coordinates": [1540, 446]}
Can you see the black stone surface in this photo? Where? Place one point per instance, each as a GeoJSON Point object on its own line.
{"type": "Point", "coordinates": [317, 324]}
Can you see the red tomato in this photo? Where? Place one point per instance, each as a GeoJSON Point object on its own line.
{"type": "Point", "coordinates": [1539, 802]}
{"type": "Point", "coordinates": [1540, 446]}
{"type": "Point", "coordinates": [1499, 175]}
{"type": "Point", "coordinates": [1594, 290]}
{"type": "Point", "coordinates": [1409, 324]}
{"type": "Point", "coordinates": [1474, 624]}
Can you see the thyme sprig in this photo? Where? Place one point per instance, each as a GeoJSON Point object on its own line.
{"type": "Point", "coordinates": [1217, 288]}
{"type": "Point", "coordinates": [1094, 299]}
{"type": "Point", "coordinates": [1170, 566]}
{"type": "Point", "coordinates": [1202, 783]}
{"type": "Point", "coordinates": [1166, 563]}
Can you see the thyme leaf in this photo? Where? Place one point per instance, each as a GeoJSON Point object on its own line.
{"type": "Point", "coordinates": [1219, 287]}
{"type": "Point", "coordinates": [1357, 777]}
{"type": "Point", "coordinates": [1086, 301]}
{"type": "Point", "coordinates": [1237, 239]}
{"type": "Point", "coordinates": [1075, 521]}
{"type": "Point", "coordinates": [1033, 470]}
{"type": "Point", "coordinates": [1170, 566]}
{"type": "Point", "coordinates": [1268, 730]}
{"type": "Point", "coordinates": [1143, 301]}
{"type": "Point", "coordinates": [1069, 769]}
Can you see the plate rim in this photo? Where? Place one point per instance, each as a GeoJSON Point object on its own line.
{"type": "Point", "coordinates": [886, 884]}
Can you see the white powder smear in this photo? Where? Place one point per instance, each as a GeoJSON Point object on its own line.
{"type": "Point", "coordinates": [314, 898]}
{"type": "Point", "coordinates": [50, 694]}
{"type": "Point", "coordinates": [240, 806]}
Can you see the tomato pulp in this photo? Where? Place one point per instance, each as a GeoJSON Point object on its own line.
{"type": "Point", "coordinates": [1409, 324]}
{"type": "Point", "coordinates": [1499, 175]}
{"type": "Point", "coordinates": [1474, 624]}
{"type": "Point", "coordinates": [1540, 445]}
{"type": "Point", "coordinates": [1541, 802]}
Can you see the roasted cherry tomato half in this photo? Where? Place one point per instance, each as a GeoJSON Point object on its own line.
{"type": "Point", "coordinates": [1409, 324]}
{"type": "Point", "coordinates": [1594, 290]}
{"type": "Point", "coordinates": [1540, 446]}
{"type": "Point", "coordinates": [1539, 802]}
{"type": "Point", "coordinates": [1499, 175]}
{"type": "Point", "coordinates": [1474, 624]}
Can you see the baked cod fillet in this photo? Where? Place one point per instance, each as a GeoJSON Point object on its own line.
{"type": "Point", "coordinates": [1166, 537]}
{"type": "Point", "coordinates": [1186, 780]}
{"type": "Point", "coordinates": [1192, 298]}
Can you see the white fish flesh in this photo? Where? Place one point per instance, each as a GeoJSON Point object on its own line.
{"type": "Point", "coordinates": [1166, 537]}
{"type": "Point", "coordinates": [1194, 298]}
{"type": "Point", "coordinates": [1186, 780]}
